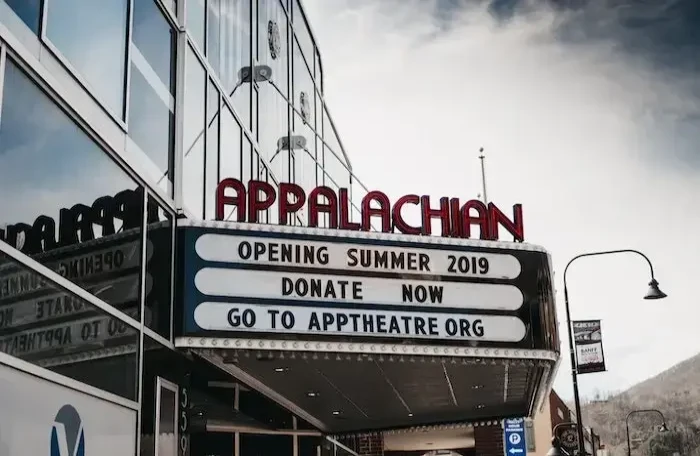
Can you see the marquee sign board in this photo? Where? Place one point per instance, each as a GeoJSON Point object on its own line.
{"type": "Point", "coordinates": [243, 279]}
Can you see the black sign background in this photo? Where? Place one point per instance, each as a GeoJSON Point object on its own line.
{"type": "Point", "coordinates": [534, 282]}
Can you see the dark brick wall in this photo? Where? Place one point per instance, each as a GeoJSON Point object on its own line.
{"type": "Point", "coordinates": [488, 440]}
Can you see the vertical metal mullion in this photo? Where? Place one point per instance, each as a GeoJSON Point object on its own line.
{"type": "Point", "coordinates": [173, 258]}
{"type": "Point", "coordinates": [207, 83]}
{"type": "Point", "coordinates": [127, 68]}
{"type": "Point", "coordinates": [3, 60]}
{"type": "Point", "coordinates": [156, 421]}
{"type": "Point", "coordinates": [142, 311]}
{"type": "Point", "coordinates": [236, 406]}
{"type": "Point", "coordinates": [44, 20]}
{"type": "Point", "coordinates": [181, 53]}
{"type": "Point", "coordinates": [290, 94]}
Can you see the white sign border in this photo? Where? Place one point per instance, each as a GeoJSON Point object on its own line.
{"type": "Point", "coordinates": [346, 234]}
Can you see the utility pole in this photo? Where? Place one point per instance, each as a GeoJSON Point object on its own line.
{"type": "Point", "coordinates": [483, 175]}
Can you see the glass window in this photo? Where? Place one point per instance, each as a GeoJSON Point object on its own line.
{"type": "Point", "coordinates": [211, 169]}
{"type": "Point", "coordinates": [230, 156]}
{"type": "Point", "coordinates": [194, 134]}
{"type": "Point", "coordinates": [152, 89]}
{"type": "Point", "coordinates": [273, 42]}
{"type": "Point", "coordinates": [167, 420]}
{"type": "Point", "coordinates": [66, 203]}
{"type": "Point", "coordinates": [195, 22]}
{"type": "Point", "coordinates": [303, 88]}
{"type": "Point", "coordinates": [214, 34]}
{"type": "Point", "coordinates": [303, 36]}
{"type": "Point", "coordinates": [318, 75]}
{"type": "Point", "coordinates": [59, 331]}
{"type": "Point", "coordinates": [159, 262]}
{"type": "Point", "coordinates": [29, 11]}
{"type": "Point", "coordinates": [260, 444]}
{"type": "Point", "coordinates": [336, 174]}
{"type": "Point", "coordinates": [305, 167]}
{"type": "Point", "coordinates": [92, 37]}
{"type": "Point", "coordinates": [233, 25]}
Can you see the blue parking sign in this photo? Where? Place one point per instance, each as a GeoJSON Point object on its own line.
{"type": "Point", "coordinates": [514, 437]}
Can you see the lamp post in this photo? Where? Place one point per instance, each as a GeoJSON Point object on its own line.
{"type": "Point", "coordinates": [662, 427]}
{"type": "Point", "coordinates": [653, 293]}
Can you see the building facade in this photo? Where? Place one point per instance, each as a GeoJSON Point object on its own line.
{"type": "Point", "coordinates": [124, 124]}
{"type": "Point", "coordinates": [542, 427]}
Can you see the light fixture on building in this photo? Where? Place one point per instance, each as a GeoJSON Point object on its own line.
{"type": "Point", "coordinates": [410, 415]}
{"type": "Point", "coordinates": [312, 394]}
{"type": "Point", "coordinates": [281, 369]}
{"type": "Point", "coordinates": [336, 412]}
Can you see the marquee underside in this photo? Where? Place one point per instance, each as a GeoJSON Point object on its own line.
{"type": "Point", "coordinates": [343, 392]}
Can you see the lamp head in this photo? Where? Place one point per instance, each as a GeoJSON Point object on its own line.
{"type": "Point", "coordinates": [654, 292]}
{"type": "Point", "coordinates": [555, 450]}
{"type": "Point", "coordinates": [663, 427]}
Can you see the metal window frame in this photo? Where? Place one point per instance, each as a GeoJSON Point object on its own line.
{"type": "Point", "coordinates": [53, 377]}
{"type": "Point", "coordinates": [66, 285]}
{"type": "Point", "coordinates": [3, 59]}
{"type": "Point", "coordinates": [162, 384]}
{"type": "Point", "coordinates": [89, 89]}
{"type": "Point", "coordinates": [52, 87]}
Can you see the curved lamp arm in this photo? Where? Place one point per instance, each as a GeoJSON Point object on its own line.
{"type": "Point", "coordinates": [627, 424]}
{"type": "Point", "coordinates": [609, 252]}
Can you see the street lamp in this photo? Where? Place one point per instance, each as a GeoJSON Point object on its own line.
{"type": "Point", "coordinates": [661, 428]}
{"type": "Point", "coordinates": [653, 293]}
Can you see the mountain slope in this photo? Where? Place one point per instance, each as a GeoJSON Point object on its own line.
{"type": "Point", "coordinates": [675, 392]}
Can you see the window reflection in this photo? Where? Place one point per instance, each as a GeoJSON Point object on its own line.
{"type": "Point", "coordinates": [230, 36]}
{"type": "Point", "coordinates": [159, 262]}
{"type": "Point", "coordinates": [27, 10]}
{"type": "Point", "coordinates": [273, 42]}
{"type": "Point", "coordinates": [336, 173]}
{"type": "Point", "coordinates": [86, 228]}
{"type": "Point", "coordinates": [195, 21]}
{"type": "Point", "coordinates": [303, 88]}
{"type": "Point", "coordinates": [212, 150]}
{"type": "Point", "coordinates": [92, 37]}
{"type": "Point", "coordinates": [230, 154]}
{"type": "Point", "coordinates": [152, 89]}
{"type": "Point", "coordinates": [64, 333]}
{"type": "Point", "coordinates": [303, 36]}
{"type": "Point", "coordinates": [194, 134]}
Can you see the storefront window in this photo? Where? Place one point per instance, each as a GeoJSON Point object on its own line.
{"type": "Point", "coordinates": [43, 324]}
{"type": "Point", "coordinates": [66, 203]}
{"type": "Point", "coordinates": [92, 37]}
{"type": "Point", "coordinates": [194, 134]}
{"type": "Point", "coordinates": [27, 10]}
{"type": "Point", "coordinates": [152, 89]}
{"type": "Point", "coordinates": [262, 445]}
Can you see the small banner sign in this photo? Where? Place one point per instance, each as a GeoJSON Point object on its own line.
{"type": "Point", "coordinates": [588, 339]}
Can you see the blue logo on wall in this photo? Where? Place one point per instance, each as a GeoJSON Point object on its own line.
{"type": "Point", "coordinates": [67, 436]}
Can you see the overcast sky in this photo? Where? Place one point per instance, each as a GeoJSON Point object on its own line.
{"type": "Point", "coordinates": [589, 118]}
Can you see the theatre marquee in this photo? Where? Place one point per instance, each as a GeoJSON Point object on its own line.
{"type": "Point", "coordinates": [256, 295]}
